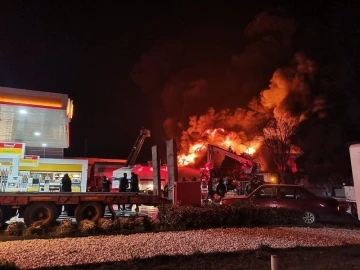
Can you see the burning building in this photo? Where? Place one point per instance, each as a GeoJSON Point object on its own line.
{"type": "Point", "coordinates": [287, 101]}
{"type": "Point", "coordinates": [217, 98]}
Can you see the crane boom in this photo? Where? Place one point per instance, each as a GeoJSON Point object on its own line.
{"type": "Point", "coordinates": [144, 133]}
{"type": "Point", "coordinates": [249, 166]}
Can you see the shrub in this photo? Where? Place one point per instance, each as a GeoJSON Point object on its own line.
{"type": "Point", "coordinates": [15, 229]}
{"type": "Point", "coordinates": [86, 227]}
{"type": "Point", "coordinates": [142, 224]}
{"type": "Point", "coordinates": [132, 224]}
{"type": "Point", "coordinates": [123, 225]}
{"type": "Point", "coordinates": [126, 224]}
{"type": "Point", "coordinates": [65, 228]}
{"type": "Point", "coordinates": [139, 222]}
{"type": "Point", "coordinates": [5, 265]}
{"type": "Point", "coordinates": [150, 224]}
{"type": "Point", "coordinates": [35, 228]}
{"type": "Point", "coordinates": [189, 217]}
{"type": "Point", "coordinates": [105, 225]}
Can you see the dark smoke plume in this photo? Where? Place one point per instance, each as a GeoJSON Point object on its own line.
{"type": "Point", "coordinates": [199, 70]}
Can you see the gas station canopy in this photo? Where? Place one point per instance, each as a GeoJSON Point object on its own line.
{"type": "Point", "coordinates": [38, 119]}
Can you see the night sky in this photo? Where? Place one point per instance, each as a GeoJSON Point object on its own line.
{"type": "Point", "coordinates": [88, 51]}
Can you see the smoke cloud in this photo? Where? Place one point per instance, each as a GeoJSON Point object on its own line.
{"type": "Point", "coordinates": [199, 69]}
{"type": "Point", "coordinates": [289, 91]}
{"type": "Point", "coordinates": [288, 94]}
{"type": "Point", "coordinates": [199, 73]}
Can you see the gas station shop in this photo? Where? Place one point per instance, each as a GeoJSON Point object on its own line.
{"type": "Point", "coordinates": [34, 130]}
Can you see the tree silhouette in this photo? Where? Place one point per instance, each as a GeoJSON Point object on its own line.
{"type": "Point", "coordinates": [277, 135]}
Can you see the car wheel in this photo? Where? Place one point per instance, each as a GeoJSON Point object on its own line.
{"type": "Point", "coordinates": [309, 218]}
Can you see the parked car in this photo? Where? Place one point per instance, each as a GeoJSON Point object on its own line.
{"type": "Point", "coordinates": [289, 196]}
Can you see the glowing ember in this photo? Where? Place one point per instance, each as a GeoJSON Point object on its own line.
{"type": "Point", "coordinates": [219, 137]}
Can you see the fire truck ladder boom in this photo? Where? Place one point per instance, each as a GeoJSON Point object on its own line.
{"type": "Point", "coordinates": [215, 149]}
{"type": "Point", "coordinates": [144, 133]}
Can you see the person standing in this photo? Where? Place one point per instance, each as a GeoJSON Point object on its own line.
{"type": "Point", "coordinates": [124, 184]}
{"type": "Point", "coordinates": [106, 184]}
{"type": "Point", "coordinates": [66, 183]}
{"type": "Point", "coordinates": [221, 189]}
{"type": "Point", "coordinates": [66, 187]}
{"type": "Point", "coordinates": [134, 187]}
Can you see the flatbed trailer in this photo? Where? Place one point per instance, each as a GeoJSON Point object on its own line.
{"type": "Point", "coordinates": [46, 207]}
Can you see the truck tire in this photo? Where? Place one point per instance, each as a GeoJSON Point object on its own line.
{"type": "Point", "coordinates": [89, 211]}
{"type": "Point", "coordinates": [43, 211]}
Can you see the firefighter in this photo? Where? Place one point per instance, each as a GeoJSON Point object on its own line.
{"type": "Point", "coordinates": [105, 184]}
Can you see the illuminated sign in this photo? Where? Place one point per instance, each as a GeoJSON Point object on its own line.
{"type": "Point", "coordinates": [12, 150]}
{"type": "Point", "coordinates": [29, 161]}
{"type": "Point", "coordinates": [70, 109]}
{"type": "Point", "coordinates": [42, 102]}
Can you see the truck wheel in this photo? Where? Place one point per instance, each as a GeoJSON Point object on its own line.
{"type": "Point", "coordinates": [44, 212]}
{"type": "Point", "coordinates": [89, 211]}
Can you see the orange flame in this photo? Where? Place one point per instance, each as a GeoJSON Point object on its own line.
{"type": "Point", "coordinates": [219, 137]}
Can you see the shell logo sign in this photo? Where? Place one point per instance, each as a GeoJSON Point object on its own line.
{"type": "Point", "coordinates": [12, 150]}
{"type": "Point", "coordinates": [29, 161]}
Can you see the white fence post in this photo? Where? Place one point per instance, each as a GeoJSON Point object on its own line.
{"type": "Point", "coordinates": [274, 262]}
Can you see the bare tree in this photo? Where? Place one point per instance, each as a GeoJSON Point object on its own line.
{"type": "Point", "coordinates": [277, 137]}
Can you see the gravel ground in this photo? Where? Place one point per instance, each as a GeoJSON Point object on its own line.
{"type": "Point", "coordinates": [29, 254]}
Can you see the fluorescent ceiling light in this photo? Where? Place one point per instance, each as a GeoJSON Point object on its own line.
{"type": "Point", "coordinates": [44, 144]}
{"type": "Point", "coordinates": [23, 112]}
{"type": "Point", "coordinates": [36, 133]}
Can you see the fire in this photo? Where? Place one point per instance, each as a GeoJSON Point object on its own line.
{"type": "Point", "coordinates": [251, 150]}
{"type": "Point", "coordinates": [219, 137]}
{"type": "Point", "coordinates": [193, 153]}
